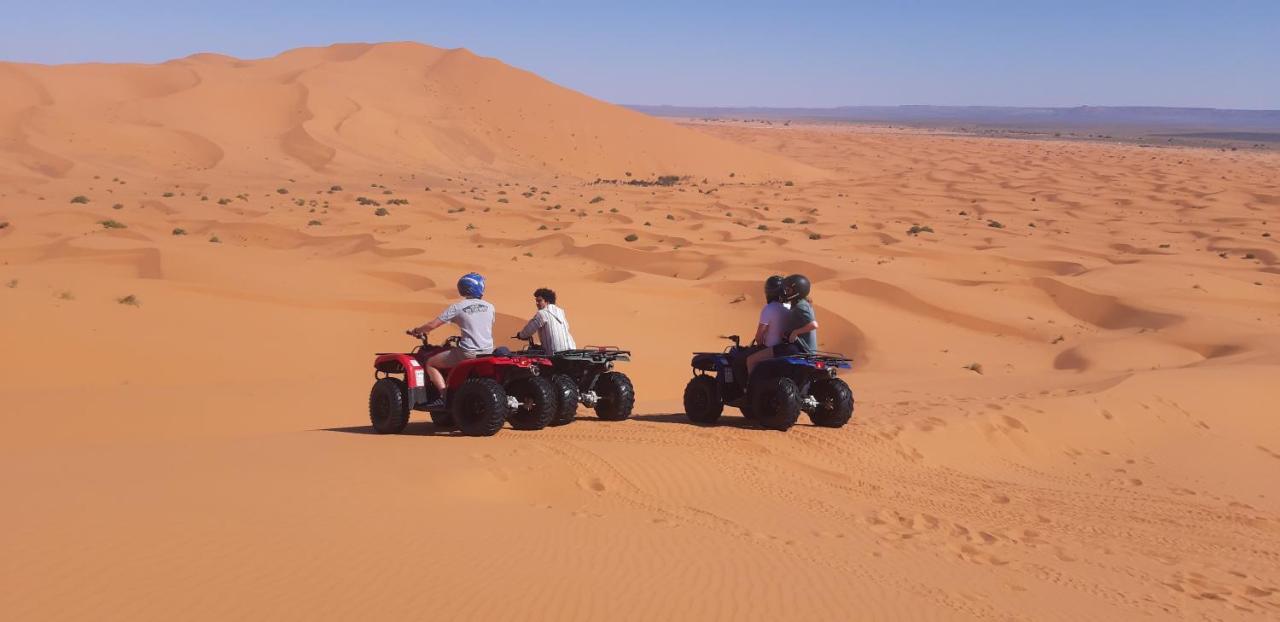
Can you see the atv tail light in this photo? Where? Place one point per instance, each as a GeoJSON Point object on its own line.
{"type": "Point", "coordinates": [820, 364]}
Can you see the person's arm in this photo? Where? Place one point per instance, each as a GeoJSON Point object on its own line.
{"type": "Point", "coordinates": [807, 328]}
{"type": "Point", "coordinates": [428, 327]}
{"type": "Point", "coordinates": [532, 327]}
{"type": "Point", "coordinates": [760, 331]}
{"type": "Point", "coordinates": [445, 316]}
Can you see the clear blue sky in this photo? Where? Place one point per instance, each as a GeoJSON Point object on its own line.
{"type": "Point", "coordinates": [1033, 53]}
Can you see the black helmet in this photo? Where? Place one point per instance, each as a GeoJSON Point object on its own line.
{"type": "Point", "coordinates": [796, 286]}
{"type": "Point", "coordinates": [773, 288]}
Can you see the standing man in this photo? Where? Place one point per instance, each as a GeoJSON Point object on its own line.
{"type": "Point", "coordinates": [549, 323]}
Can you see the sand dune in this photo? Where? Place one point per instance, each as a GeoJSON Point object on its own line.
{"type": "Point", "coordinates": [1066, 388]}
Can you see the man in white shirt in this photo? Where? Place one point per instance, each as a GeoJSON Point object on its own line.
{"type": "Point", "coordinates": [775, 320]}
{"type": "Point", "coordinates": [474, 317]}
{"type": "Point", "coordinates": [549, 323]}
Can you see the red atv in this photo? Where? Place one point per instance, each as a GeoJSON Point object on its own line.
{"type": "Point", "coordinates": [481, 393]}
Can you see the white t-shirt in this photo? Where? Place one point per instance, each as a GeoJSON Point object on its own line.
{"type": "Point", "coordinates": [777, 317]}
{"type": "Point", "coordinates": [552, 328]}
{"type": "Point", "coordinates": [474, 318]}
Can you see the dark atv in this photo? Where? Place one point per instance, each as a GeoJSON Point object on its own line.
{"type": "Point", "coordinates": [778, 390]}
{"type": "Point", "coordinates": [586, 376]}
{"type": "Point", "coordinates": [482, 392]}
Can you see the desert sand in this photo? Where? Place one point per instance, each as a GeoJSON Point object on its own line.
{"type": "Point", "coordinates": [1066, 386]}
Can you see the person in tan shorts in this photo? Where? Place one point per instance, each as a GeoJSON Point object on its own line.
{"type": "Point", "coordinates": [474, 318]}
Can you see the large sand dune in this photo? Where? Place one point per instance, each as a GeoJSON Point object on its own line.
{"type": "Point", "coordinates": [205, 454]}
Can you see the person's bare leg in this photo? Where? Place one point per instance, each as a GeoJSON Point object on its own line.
{"type": "Point", "coordinates": [755, 358]}
{"type": "Point", "coordinates": [436, 377]}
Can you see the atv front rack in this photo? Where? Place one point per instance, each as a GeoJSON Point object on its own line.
{"type": "Point", "coordinates": [595, 354]}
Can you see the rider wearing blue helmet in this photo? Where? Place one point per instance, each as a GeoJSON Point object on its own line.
{"type": "Point", "coordinates": [474, 317]}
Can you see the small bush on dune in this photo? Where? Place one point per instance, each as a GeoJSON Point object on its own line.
{"type": "Point", "coordinates": [79, 198]}
{"type": "Point", "coordinates": [167, 195]}
{"type": "Point", "coordinates": [112, 224]}
{"type": "Point", "coordinates": [631, 237]}
{"type": "Point", "coordinates": [118, 206]}
{"type": "Point", "coordinates": [995, 224]}
{"type": "Point", "coordinates": [335, 188]}
{"type": "Point", "coordinates": [471, 227]}
{"type": "Point", "coordinates": [282, 190]}
{"type": "Point", "coordinates": [179, 231]}
{"type": "Point", "coordinates": [815, 236]}
{"type": "Point", "coordinates": [381, 211]}
{"type": "Point", "coordinates": [596, 199]}
{"type": "Point", "coordinates": [130, 300]}
{"type": "Point", "coordinates": [314, 223]}
{"type": "Point", "coordinates": [788, 221]}
{"type": "Point", "coordinates": [4, 224]}
{"type": "Point", "coordinates": [215, 240]}
{"type": "Point", "coordinates": [66, 295]}
{"type": "Point", "coordinates": [224, 201]}
{"type": "Point", "coordinates": [917, 230]}
{"type": "Point", "coordinates": [12, 283]}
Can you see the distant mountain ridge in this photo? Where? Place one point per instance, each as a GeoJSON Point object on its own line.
{"type": "Point", "coordinates": [1078, 116]}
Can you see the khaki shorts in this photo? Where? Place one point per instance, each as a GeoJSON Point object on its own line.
{"type": "Point", "coordinates": [450, 358]}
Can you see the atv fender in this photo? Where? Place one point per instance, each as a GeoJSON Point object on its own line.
{"type": "Point", "coordinates": [415, 377]}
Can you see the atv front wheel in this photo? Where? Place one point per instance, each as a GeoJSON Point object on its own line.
{"type": "Point", "coordinates": [389, 406]}
{"type": "Point", "coordinates": [835, 403]}
{"type": "Point", "coordinates": [702, 402]}
{"type": "Point", "coordinates": [538, 403]}
{"type": "Point", "coordinates": [776, 403]}
{"type": "Point", "coordinates": [617, 396]}
{"type": "Point", "coordinates": [566, 399]}
{"type": "Point", "coordinates": [480, 407]}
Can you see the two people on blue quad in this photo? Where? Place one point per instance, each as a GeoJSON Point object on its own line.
{"type": "Point", "coordinates": [474, 317]}
{"type": "Point", "coordinates": [787, 322]}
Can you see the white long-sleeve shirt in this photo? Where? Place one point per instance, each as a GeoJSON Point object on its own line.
{"type": "Point", "coordinates": [552, 328]}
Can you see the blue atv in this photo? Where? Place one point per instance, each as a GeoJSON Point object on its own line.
{"type": "Point", "coordinates": [778, 390]}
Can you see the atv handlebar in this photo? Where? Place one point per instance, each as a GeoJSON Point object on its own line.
{"type": "Point", "coordinates": [449, 342]}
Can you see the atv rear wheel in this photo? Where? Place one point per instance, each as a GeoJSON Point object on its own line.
{"type": "Point", "coordinates": [566, 399]}
{"type": "Point", "coordinates": [617, 396]}
{"type": "Point", "coordinates": [389, 405]}
{"type": "Point", "coordinates": [835, 403]}
{"type": "Point", "coordinates": [702, 402]}
{"type": "Point", "coordinates": [480, 407]}
{"type": "Point", "coordinates": [776, 403]}
{"type": "Point", "coordinates": [538, 404]}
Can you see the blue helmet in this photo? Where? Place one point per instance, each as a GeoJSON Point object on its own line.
{"type": "Point", "coordinates": [471, 285]}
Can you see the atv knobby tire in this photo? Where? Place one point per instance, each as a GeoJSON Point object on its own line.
{"type": "Point", "coordinates": [702, 402]}
{"type": "Point", "coordinates": [617, 396]}
{"type": "Point", "coordinates": [775, 403]}
{"type": "Point", "coordinates": [835, 403]}
{"type": "Point", "coordinates": [389, 406]}
{"type": "Point", "coordinates": [538, 403]}
{"type": "Point", "coordinates": [566, 399]}
{"type": "Point", "coordinates": [442, 419]}
{"type": "Point", "coordinates": [480, 407]}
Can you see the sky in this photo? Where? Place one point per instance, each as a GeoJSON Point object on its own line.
{"type": "Point", "coordinates": [1223, 54]}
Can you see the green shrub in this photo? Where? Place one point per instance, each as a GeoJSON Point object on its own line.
{"type": "Point", "coordinates": [215, 240]}
{"type": "Point", "coordinates": [631, 237]}
{"type": "Point", "coordinates": [79, 198]}
{"type": "Point", "coordinates": [917, 229]}
{"type": "Point", "coordinates": [335, 188]}
{"type": "Point", "coordinates": [788, 220]}
{"type": "Point", "coordinates": [381, 211]}
{"type": "Point", "coordinates": [167, 195]}
{"type": "Point", "coordinates": [596, 199]}
{"type": "Point", "coordinates": [314, 223]}
{"type": "Point", "coordinates": [179, 231]}
{"type": "Point", "coordinates": [995, 224]}
{"type": "Point", "coordinates": [112, 224]}
{"type": "Point", "coordinates": [130, 300]}
{"type": "Point", "coordinates": [815, 236]}
{"type": "Point", "coordinates": [282, 190]}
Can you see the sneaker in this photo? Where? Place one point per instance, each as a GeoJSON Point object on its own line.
{"type": "Point", "coordinates": [436, 404]}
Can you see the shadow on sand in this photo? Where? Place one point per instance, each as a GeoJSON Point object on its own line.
{"type": "Point", "coordinates": [415, 428]}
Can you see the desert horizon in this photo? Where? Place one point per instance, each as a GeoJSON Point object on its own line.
{"type": "Point", "coordinates": [1060, 355]}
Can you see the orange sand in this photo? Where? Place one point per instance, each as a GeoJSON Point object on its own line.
{"type": "Point", "coordinates": [205, 454]}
